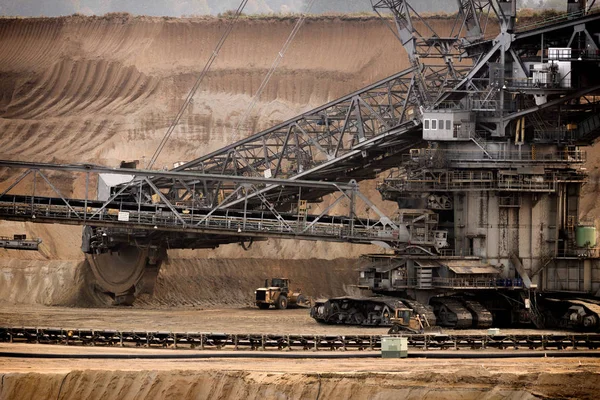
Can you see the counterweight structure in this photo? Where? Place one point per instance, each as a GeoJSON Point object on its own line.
{"type": "Point", "coordinates": [481, 143]}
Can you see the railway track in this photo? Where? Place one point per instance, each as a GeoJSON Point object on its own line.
{"type": "Point", "coordinates": [266, 342]}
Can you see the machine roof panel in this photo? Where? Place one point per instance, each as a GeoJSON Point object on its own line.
{"type": "Point", "coordinates": [426, 264]}
{"type": "Point", "coordinates": [475, 267]}
{"type": "Point", "coordinates": [383, 266]}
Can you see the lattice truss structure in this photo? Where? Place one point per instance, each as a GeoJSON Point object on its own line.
{"type": "Point", "coordinates": [44, 202]}
{"type": "Point", "coordinates": [441, 59]}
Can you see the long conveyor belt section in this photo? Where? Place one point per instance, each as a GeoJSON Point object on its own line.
{"type": "Point", "coordinates": [223, 341]}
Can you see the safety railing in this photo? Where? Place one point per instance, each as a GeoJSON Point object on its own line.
{"type": "Point", "coordinates": [527, 183]}
{"type": "Point", "coordinates": [553, 135]}
{"type": "Point", "coordinates": [556, 19]}
{"type": "Point", "coordinates": [428, 156]}
{"type": "Point", "coordinates": [471, 180]}
{"type": "Point", "coordinates": [530, 83]}
{"type": "Point", "coordinates": [456, 252]}
{"type": "Point", "coordinates": [477, 283]}
{"type": "Point", "coordinates": [340, 228]}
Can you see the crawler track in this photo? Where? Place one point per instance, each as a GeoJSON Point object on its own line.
{"type": "Point", "coordinates": [452, 313]}
{"type": "Point", "coordinates": [223, 341]}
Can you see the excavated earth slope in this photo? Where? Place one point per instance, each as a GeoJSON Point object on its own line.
{"type": "Point", "coordinates": [295, 379]}
{"type": "Point", "coordinates": [104, 89]}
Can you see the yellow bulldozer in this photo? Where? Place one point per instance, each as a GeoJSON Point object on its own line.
{"type": "Point", "coordinates": [278, 294]}
{"type": "Point", "coordinates": [407, 320]}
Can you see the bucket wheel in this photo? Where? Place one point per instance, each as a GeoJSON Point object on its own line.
{"type": "Point", "coordinates": [126, 271]}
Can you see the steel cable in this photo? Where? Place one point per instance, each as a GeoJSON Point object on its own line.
{"type": "Point", "coordinates": [274, 67]}
{"type": "Point", "coordinates": [192, 92]}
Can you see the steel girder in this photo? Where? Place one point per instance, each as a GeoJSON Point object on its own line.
{"type": "Point", "coordinates": [474, 17]}
{"type": "Point", "coordinates": [441, 60]}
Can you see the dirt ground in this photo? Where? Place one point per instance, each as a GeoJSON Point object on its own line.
{"type": "Point", "coordinates": [243, 320]}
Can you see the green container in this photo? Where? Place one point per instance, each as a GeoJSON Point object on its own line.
{"type": "Point", "coordinates": [585, 236]}
{"type": "Point", "coordinates": [394, 347]}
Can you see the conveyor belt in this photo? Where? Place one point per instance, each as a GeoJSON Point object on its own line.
{"type": "Point", "coordinates": [293, 342]}
{"type": "Point", "coordinates": [303, 356]}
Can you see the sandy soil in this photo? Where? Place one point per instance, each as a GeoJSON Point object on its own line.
{"type": "Point", "coordinates": [181, 281]}
{"type": "Point", "coordinates": [297, 379]}
{"type": "Point", "coordinates": [216, 320]}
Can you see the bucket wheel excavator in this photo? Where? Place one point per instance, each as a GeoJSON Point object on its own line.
{"type": "Point", "coordinates": [487, 114]}
{"type": "Point", "coordinates": [125, 263]}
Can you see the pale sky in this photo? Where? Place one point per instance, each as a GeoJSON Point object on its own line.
{"type": "Point", "coordinates": [178, 8]}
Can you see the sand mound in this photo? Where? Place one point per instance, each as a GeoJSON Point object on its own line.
{"type": "Point", "coordinates": [66, 283]}
{"type": "Point", "coordinates": [181, 282]}
{"type": "Point", "coordinates": [233, 281]}
{"type": "Point", "coordinates": [218, 384]}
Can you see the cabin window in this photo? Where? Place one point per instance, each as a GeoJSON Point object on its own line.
{"type": "Point", "coordinates": [456, 130]}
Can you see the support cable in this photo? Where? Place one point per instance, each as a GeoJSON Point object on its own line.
{"type": "Point", "coordinates": [274, 66]}
{"type": "Point", "coordinates": [192, 92]}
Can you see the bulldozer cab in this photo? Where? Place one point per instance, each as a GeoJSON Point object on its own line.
{"type": "Point", "coordinates": [402, 316]}
{"type": "Point", "coordinates": [405, 319]}
{"type": "Point", "coordinates": [279, 282]}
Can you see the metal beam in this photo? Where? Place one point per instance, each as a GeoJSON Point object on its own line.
{"type": "Point", "coordinates": [172, 174]}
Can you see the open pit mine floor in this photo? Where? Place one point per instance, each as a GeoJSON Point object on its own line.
{"type": "Point", "coordinates": [241, 320]}
{"type": "Point", "coordinates": [250, 329]}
